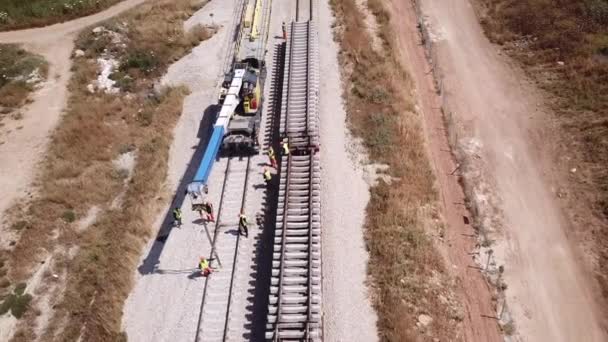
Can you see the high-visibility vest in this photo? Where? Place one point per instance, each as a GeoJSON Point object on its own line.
{"type": "Point", "coordinates": [285, 148]}
{"type": "Point", "coordinates": [267, 175]}
{"type": "Point", "coordinates": [203, 264]}
{"type": "Point", "coordinates": [271, 152]}
{"type": "Point", "coordinates": [177, 213]}
{"type": "Point", "coordinates": [243, 220]}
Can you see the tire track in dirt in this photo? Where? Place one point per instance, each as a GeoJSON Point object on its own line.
{"type": "Point", "coordinates": [473, 290]}
{"type": "Point", "coordinates": [549, 292]}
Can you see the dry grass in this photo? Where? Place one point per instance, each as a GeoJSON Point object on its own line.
{"type": "Point", "coordinates": [19, 14]}
{"type": "Point", "coordinates": [78, 172]}
{"type": "Point", "coordinates": [20, 71]}
{"type": "Point", "coordinates": [541, 33]}
{"type": "Point", "coordinates": [406, 271]}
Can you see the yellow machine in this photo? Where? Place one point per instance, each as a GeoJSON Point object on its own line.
{"type": "Point", "coordinates": [248, 16]}
{"type": "Point", "coordinates": [251, 102]}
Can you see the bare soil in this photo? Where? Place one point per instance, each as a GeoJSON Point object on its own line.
{"type": "Point", "coordinates": [67, 161]}
{"type": "Point", "coordinates": [565, 52]}
{"type": "Point", "coordinates": [20, 154]}
{"type": "Point", "coordinates": [503, 136]}
{"type": "Point", "coordinates": [471, 287]}
{"type": "Point", "coordinates": [17, 14]}
{"type": "Point", "coordinates": [411, 286]}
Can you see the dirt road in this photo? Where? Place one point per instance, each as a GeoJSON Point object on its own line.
{"type": "Point", "coordinates": [472, 289]}
{"type": "Point", "coordinates": [549, 294]}
{"type": "Point", "coordinates": [24, 147]}
{"type": "Point", "coordinates": [25, 141]}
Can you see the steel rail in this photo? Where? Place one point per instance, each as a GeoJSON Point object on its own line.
{"type": "Point", "coordinates": [283, 243]}
{"type": "Point", "coordinates": [236, 251]}
{"type": "Point", "coordinates": [213, 247]}
{"type": "Point", "coordinates": [299, 10]}
{"type": "Point", "coordinates": [288, 97]}
{"type": "Point", "coordinates": [215, 235]}
{"type": "Point", "coordinates": [310, 187]}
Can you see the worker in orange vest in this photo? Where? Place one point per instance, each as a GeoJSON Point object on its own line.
{"type": "Point", "coordinates": [267, 176]}
{"type": "Point", "coordinates": [285, 146]}
{"type": "Point", "coordinates": [203, 266]}
{"type": "Point", "coordinates": [208, 207]}
{"type": "Point", "coordinates": [271, 156]}
{"type": "Point", "coordinates": [284, 28]}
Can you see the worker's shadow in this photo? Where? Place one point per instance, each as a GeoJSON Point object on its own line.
{"type": "Point", "coordinates": [195, 275]}
{"type": "Point", "coordinates": [167, 271]}
{"type": "Point", "coordinates": [233, 232]}
{"type": "Point", "coordinates": [260, 186]}
{"type": "Point", "coordinates": [150, 263]}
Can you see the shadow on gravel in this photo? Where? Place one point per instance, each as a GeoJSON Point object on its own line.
{"type": "Point", "coordinates": [150, 263]}
{"type": "Point", "coordinates": [259, 299]}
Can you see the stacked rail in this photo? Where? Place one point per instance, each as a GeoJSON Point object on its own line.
{"type": "Point", "coordinates": [300, 119]}
{"type": "Point", "coordinates": [217, 294]}
{"type": "Point", "coordinates": [294, 311]}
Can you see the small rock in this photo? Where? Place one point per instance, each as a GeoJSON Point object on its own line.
{"type": "Point", "coordinates": [573, 170]}
{"type": "Point", "coordinates": [56, 276]}
{"type": "Point", "coordinates": [78, 53]}
{"type": "Point", "coordinates": [560, 63]}
{"type": "Point", "coordinates": [91, 88]}
{"type": "Point", "coordinates": [424, 320]}
{"type": "Point", "coordinates": [98, 29]}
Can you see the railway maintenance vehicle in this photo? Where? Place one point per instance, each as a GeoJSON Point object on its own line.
{"type": "Point", "coordinates": [240, 101]}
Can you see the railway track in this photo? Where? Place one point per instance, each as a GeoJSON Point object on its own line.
{"type": "Point", "coordinates": [304, 10]}
{"type": "Point", "coordinates": [216, 305]}
{"type": "Point", "coordinates": [225, 311]}
{"type": "Point", "coordinates": [294, 311]}
{"type": "Point", "coordinates": [299, 119]}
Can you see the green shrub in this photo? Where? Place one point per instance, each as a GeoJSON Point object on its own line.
{"type": "Point", "coordinates": [19, 225]}
{"type": "Point", "coordinates": [7, 303]}
{"type": "Point", "coordinates": [69, 216]}
{"type": "Point", "coordinates": [123, 80]}
{"type": "Point", "coordinates": [144, 61]}
{"type": "Point", "coordinates": [16, 303]}
{"type": "Point", "coordinates": [597, 10]}
{"type": "Point", "coordinates": [20, 305]}
{"type": "Point", "coordinates": [20, 289]}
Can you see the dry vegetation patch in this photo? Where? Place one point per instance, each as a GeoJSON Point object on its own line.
{"type": "Point", "coordinates": [18, 14]}
{"type": "Point", "coordinates": [20, 72]}
{"type": "Point", "coordinates": [563, 44]}
{"type": "Point", "coordinates": [411, 288]}
{"type": "Point", "coordinates": [115, 107]}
